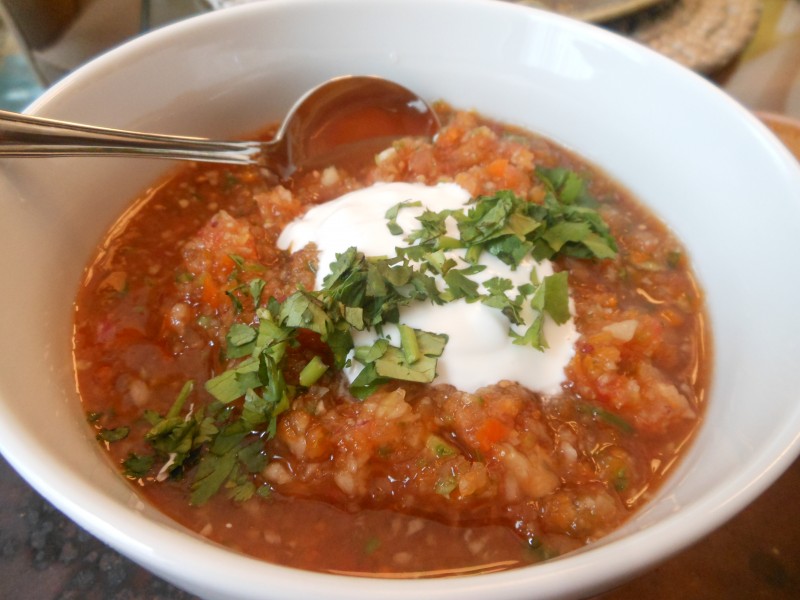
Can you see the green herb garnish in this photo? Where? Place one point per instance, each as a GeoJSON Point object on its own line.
{"type": "Point", "coordinates": [440, 448]}
{"type": "Point", "coordinates": [136, 466]}
{"type": "Point", "coordinates": [384, 362]}
{"type": "Point", "coordinates": [607, 416]}
{"type": "Point", "coordinates": [313, 370]}
{"type": "Point", "coordinates": [113, 435]}
{"type": "Point", "coordinates": [223, 441]}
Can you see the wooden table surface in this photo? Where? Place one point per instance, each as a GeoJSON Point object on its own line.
{"type": "Point", "coordinates": [43, 555]}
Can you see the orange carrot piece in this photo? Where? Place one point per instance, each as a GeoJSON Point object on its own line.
{"type": "Point", "coordinates": [490, 432]}
{"type": "Point", "coordinates": [497, 168]}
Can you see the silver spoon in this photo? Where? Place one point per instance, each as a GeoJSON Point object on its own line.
{"type": "Point", "coordinates": [342, 113]}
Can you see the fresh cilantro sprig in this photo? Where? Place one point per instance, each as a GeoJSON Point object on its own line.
{"type": "Point", "coordinates": [511, 228]}
{"type": "Point", "coordinates": [223, 440]}
{"type": "Point", "coordinates": [552, 298]}
{"type": "Point", "coordinates": [573, 225]}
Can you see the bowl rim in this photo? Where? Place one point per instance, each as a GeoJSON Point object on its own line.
{"type": "Point", "coordinates": [118, 526]}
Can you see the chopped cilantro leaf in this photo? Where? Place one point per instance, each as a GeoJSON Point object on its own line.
{"type": "Point", "coordinates": [533, 335]}
{"type": "Point", "coordinates": [211, 474]}
{"type": "Point", "coordinates": [460, 286]}
{"type": "Point", "coordinates": [313, 370]}
{"type": "Point", "coordinates": [237, 260]}
{"type": "Point", "coordinates": [303, 310]}
{"type": "Point", "coordinates": [393, 365]}
{"type": "Point", "coordinates": [233, 383]}
{"type": "Point", "coordinates": [137, 466]}
{"type": "Point", "coordinates": [366, 382]}
{"type": "Point", "coordinates": [607, 416]}
{"type": "Point", "coordinates": [180, 400]}
{"type": "Point", "coordinates": [242, 491]}
{"type": "Point", "coordinates": [256, 287]}
{"type": "Point", "coordinates": [240, 340]}
{"type": "Point", "coordinates": [391, 216]}
{"type": "Point", "coordinates": [556, 297]}
{"type": "Point", "coordinates": [433, 226]}
{"type": "Point", "coordinates": [238, 307]}
{"type": "Point", "coordinates": [567, 185]}
{"type": "Point", "coordinates": [431, 344]}
{"type": "Point", "coordinates": [113, 435]}
{"type": "Point", "coordinates": [368, 354]}
{"type": "Point", "coordinates": [409, 344]}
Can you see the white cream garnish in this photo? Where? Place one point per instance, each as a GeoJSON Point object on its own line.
{"type": "Point", "coordinates": [480, 350]}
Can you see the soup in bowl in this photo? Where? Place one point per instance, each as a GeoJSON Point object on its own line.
{"type": "Point", "coordinates": [355, 445]}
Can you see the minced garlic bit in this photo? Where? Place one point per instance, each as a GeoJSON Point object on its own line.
{"type": "Point", "coordinates": [329, 177]}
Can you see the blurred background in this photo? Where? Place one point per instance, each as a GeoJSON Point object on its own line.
{"type": "Point", "coordinates": [43, 40]}
{"type": "Point", "coordinates": [750, 47]}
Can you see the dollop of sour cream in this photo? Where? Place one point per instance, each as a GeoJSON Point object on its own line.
{"type": "Point", "coordinates": [480, 350]}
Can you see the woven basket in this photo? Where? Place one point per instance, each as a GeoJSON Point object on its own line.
{"type": "Point", "coordinates": [704, 35]}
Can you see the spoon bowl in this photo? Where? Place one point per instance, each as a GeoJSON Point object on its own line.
{"type": "Point", "coordinates": [329, 120]}
{"type": "Point", "coordinates": [320, 126]}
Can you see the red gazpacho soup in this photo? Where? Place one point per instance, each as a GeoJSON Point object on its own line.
{"type": "Point", "coordinates": [462, 355]}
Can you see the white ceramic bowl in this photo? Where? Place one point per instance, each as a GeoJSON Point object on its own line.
{"type": "Point", "coordinates": [706, 166]}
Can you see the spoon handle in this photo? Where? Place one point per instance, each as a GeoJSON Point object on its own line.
{"type": "Point", "coordinates": [27, 136]}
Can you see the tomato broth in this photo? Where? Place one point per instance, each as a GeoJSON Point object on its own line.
{"type": "Point", "coordinates": [406, 478]}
